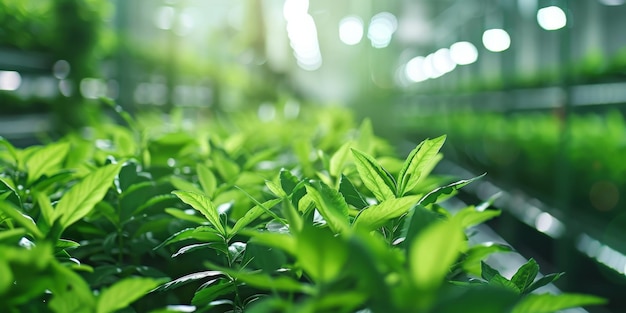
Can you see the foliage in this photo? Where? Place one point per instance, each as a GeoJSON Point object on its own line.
{"type": "Point", "coordinates": [234, 214]}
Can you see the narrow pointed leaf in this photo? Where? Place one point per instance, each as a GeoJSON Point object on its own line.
{"type": "Point", "coordinates": [549, 303]}
{"type": "Point", "coordinates": [526, 274]}
{"type": "Point", "coordinates": [418, 164]}
{"type": "Point", "coordinates": [375, 216]}
{"type": "Point", "coordinates": [211, 291]}
{"type": "Point", "coordinates": [331, 205]}
{"type": "Point", "coordinates": [207, 179]}
{"type": "Point", "coordinates": [184, 185]}
{"type": "Point", "coordinates": [12, 151]}
{"type": "Point", "coordinates": [374, 176]}
{"type": "Point", "coordinates": [182, 215]}
{"type": "Point", "coordinates": [201, 233]}
{"type": "Point", "coordinates": [351, 194]}
{"type": "Point", "coordinates": [487, 272]}
{"type": "Point", "coordinates": [543, 281]}
{"type": "Point", "coordinates": [469, 216]}
{"type": "Point", "coordinates": [203, 205]}
{"type": "Point", "coordinates": [441, 192]}
{"type": "Point", "coordinates": [45, 207]}
{"type": "Point", "coordinates": [339, 159]}
{"type": "Point", "coordinates": [82, 197]}
{"type": "Point", "coordinates": [188, 279]}
{"type": "Point", "coordinates": [124, 292]}
{"type": "Point", "coordinates": [253, 214]}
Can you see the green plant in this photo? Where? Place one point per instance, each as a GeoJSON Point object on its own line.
{"type": "Point", "coordinates": [233, 214]}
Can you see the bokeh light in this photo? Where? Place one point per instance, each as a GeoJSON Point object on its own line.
{"type": "Point", "coordinates": [463, 53]}
{"type": "Point", "coordinates": [351, 30]}
{"type": "Point", "coordinates": [10, 80]}
{"type": "Point", "coordinates": [496, 40]}
{"type": "Point", "coordinates": [551, 18]}
{"type": "Point", "coordinates": [381, 29]}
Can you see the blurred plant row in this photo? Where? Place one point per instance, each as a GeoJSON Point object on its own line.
{"type": "Point", "coordinates": [300, 211]}
{"type": "Point", "coordinates": [533, 149]}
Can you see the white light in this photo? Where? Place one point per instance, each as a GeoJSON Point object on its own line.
{"type": "Point", "coordinates": [442, 61]}
{"type": "Point", "coordinates": [496, 40]}
{"type": "Point", "coordinates": [351, 30]}
{"type": "Point", "coordinates": [612, 2]}
{"type": "Point", "coordinates": [10, 80]}
{"type": "Point", "coordinates": [382, 26]}
{"type": "Point", "coordinates": [293, 9]}
{"type": "Point", "coordinates": [463, 53]}
{"type": "Point", "coordinates": [164, 18]}
{"type": "Point", "coordinates": [429, 69]}
{"type": "Point", "coordinates": [414, 70]}
{"type": "Point", "coordinates": [551, 18]}
{"type": "Point", "coordinates": [544, 222]}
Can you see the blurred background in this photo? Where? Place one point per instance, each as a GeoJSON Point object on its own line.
{"type": "Point", "coordinates": [532, 92]}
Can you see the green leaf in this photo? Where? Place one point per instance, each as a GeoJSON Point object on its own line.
{"type": "Point", "coordinates": [70, 292]}
{"type": "Point", "coordinates": [205, 206]}
{"type": "Point", "coordinates": [182, 215]}
{"type": "Point", "coordinates": [211, 290]}
{"type": "Point", "coordinates": [416, 221]}
{"type": "Point", "coordinates": [82, 197]}
{"type": "Point", "coordinates": [374, 176]}
{"type": "Point", "coordinates": [12, 235]}
{"type": "Point", "coordinates": [549, 303]}
{"type": "Point", "coordinates": [434, 251]}
{"type": "Point", "coordinates": [201, 233]}
{"type": "Point", "coordinates": [124, 292]}
{"type": "Point", "coordinates": [418, 164]}
{"type": "Point", "coordinates": [435, 195]}
{"type": "Point", "coordinates": [184, 185]}
{"type": "Point", "coordinates": [472, 262]}
{"type": "Point", "coordinates": [339, 158]}
{"type": "Point", "coordinates": [320, 253]}
{"type": "Point", "coordinates": [469, 216]}
{"type": "Point", "coordinates": [285, 242]}
{"type": "Point", "coordinates": [262, 257]}
{"type": "Point", "coordinates": [227, 168]}
{"type": "Point", "coordinates": [331, 205]}
{"type": "Point", "coordinates": [500, 281]}
{"type": "Point", "coordinates": [45, 207]}
{"type": "Point", "coordinates": [525, 275]}
{"type": "Point", "coordinates": [351, 194]}
{"type": "Point", "coordinates": [12, 151]}
{"type": "Point", "coordinates": [259, 279]}
{"type": "Point", "coordinates": [24, 220]}
{"type": "Point", "coordinates": [375, 216]}
{"type": "Point", "coordinates": [45, 159]}
{"type": "Point", "coordinates": [188, 279]}
{"type": "Point", "coordinates": [275, 189]}
{"type": "Point", "coordinates": [207, 179]}
{"type": "Point", "coordinates": [487, 272]}
{"type": "Point", "coordinates": [543, 281]}
{"type": "Point", "coordinates": [253, 214]}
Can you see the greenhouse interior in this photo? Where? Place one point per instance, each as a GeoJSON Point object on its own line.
{"type": "Point", "coordinates": [423, 156]}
